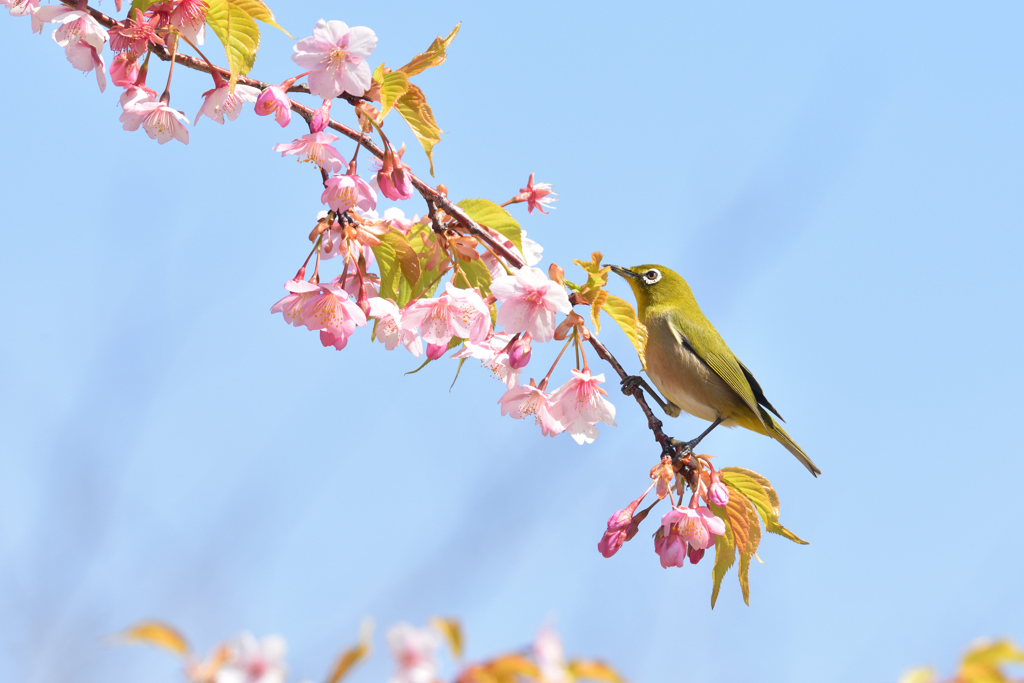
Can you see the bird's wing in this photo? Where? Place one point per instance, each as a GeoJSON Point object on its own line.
{"type": "Point", "coordinates": [758, 393]}
{"type": "Point", "coordinates": [709, 346]}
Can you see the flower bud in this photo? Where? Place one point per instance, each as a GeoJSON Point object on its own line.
{"type": "Point", "coordinates": [556, 273]}
{"type": "Point", "coordinates": [435, 351]}
{"type": "Point", "coordinates": [718, 494]}
{"type": "Point", "coordinates": [519, 355]}
{"type": "Point", "coordinates": [321, 118]}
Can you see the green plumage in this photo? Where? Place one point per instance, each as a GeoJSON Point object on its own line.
{"type": "Point", "coordinates": [691, 364]}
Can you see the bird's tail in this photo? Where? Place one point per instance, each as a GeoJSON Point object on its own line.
{"type": "Point", "coordinates": [780, 435]}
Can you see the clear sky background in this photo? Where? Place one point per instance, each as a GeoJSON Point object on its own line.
{"type": "Point", "coordinates": [842, 187]}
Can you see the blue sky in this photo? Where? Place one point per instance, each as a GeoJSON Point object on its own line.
{"type": "Point", "coordinates": [841, 188]}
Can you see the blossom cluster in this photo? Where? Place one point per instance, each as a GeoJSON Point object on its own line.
{"type": "Point", "coordinates": [685, 531]}
{"type": "Point", "coordinates": [416, 652]}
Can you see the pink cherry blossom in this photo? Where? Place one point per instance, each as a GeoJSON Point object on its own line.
{"type": "Point", "coordinates": [550, 656]}
{"type": "Point", "coordinates": [336, 243]}
{"type": "Point", "coordinates": [321, 117]}
{"type": "Point", "coordinates": [621, 528]}
{"type": "Point", "coordinates": [75, 26]}
{"type": "Point", "coordinates": [254, 661]}
{"type": "Point", "coordinates": [343, 192]}
{"type": "Point", "coordinates": [580, 404]}
{"type": "Point", "coordinates": [160, 121]}
{"type": "Point", "coordinates": [315, 148]}
{"type": "Point", "coordinates": [389, 327]}
{"type": "Point", "coordinates": [671, 547]}
{"type": "Point", "coordinates": [335, 57]}
{"type": "Point", "coordinates": [22, 8]}
{"type": "Point", "coordinates": [134, 95]}
{"type": "Point", "coordinates": [124, 69]}
{"type": "Point", "coordinates": [415, 653]}
{"type": "Point", "coordinates": [274, 101]}
{"type": "Point", "coordinates": [219, 102]}
{"type": "Point", "coordinates": [696, 526]}
{"type": "Point", "coordinates": [189, 17]}
{"type": "Point", "coordinates": [493, 355]}
{"type": "Point", "coordinates": [136, 35]}
{"type": "Point", "coordinates": [300, 294]}
{"type": "Point", "coordinates": [85, 57]}
{"type": "Point", "coordinates": [522, 401]}
{"type": "Point", "coordinates": [529, 302]}
{"type": "Point", "coordinates": [537, 196]}
{"type": "Point", "coordinates": [456, 313]}
{"type": "Point", "coordinates": [333, 312]}
{"type": "Point", "coordinates": [368, 285]}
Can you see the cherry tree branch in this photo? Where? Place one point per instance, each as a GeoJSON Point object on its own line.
{"type": "Point", "coordinates": [432, 196]}
{"type": "Point", "coordinates": [682, 465]}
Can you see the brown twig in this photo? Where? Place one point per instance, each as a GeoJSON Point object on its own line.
{"type": "Point", "coordinates": [668, 447]}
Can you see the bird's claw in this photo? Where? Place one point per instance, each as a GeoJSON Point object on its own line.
{"type": "Point", "coordinates": [631, 383]}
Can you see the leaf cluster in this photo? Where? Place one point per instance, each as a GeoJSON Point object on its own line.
{"type": "Point", "coordinates": [618, 309]}
{"type": "Point", "coordinates": [752, 500]}
{"type": "Point", "coordinates": [986, 662]}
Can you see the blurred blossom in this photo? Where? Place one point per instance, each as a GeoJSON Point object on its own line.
{"type": "Point", "coordinates": [415, 653]}
{"type": "Point", "coordinates": [254, 661]}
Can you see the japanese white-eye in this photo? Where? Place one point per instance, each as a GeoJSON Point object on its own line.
{"type": "Point", "coordinates": [692, 366]}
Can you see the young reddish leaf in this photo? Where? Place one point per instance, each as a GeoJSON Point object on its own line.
{"type": "Point", "coordinates": [156, 633]}
{"type": "Point", "coordinates": [921, 675]}
{"type": "Point", "coordinates": [392, 86]}
{"type": "Point", "coordinates": [450, 629]}
{"type": "Point", "coordinates": [754, 538]}
{"type": "Point", "coordinates": [486, 212]}
{"type": "Point", "coordinates": [413, 107]}
{"type": "Point", "coordinates": [234, 22]}
{"type": "Point", "coordinates": [434, 56]}
{"type": "Point", "coordinates": [625, 317]}
{"type": "Point", "coordinates": [725, 555]}
{"type": "Point", "coordinates": [596, 302]}
{"type": "Point", "coordinates": [582, 669]}
{"type": "Point", "coordinates": [352, 656]}
{"type": "Point", "coordinates": [597, 275]}
{"type": "Point", "coordinates": [984, 662]}
{"type": "Point", "coordinates": [757, 489]}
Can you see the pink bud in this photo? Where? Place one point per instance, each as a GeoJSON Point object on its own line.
{"type": "Point", "coordinates": [435, 351]}
{"type": "Point", "coordinates": [695, 554]}
{"type": "Point", "coordinates": [274, 101]}
{"type": "Point", "coordinates": [519, 356]}
{"type": "Point", "coordinates": [321, 118]}
{"type": "Point", "coordinates": [718, 494]}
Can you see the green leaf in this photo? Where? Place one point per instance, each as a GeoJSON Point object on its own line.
{"type": "Point", "coordinates": [434, 56]}
{"type": "Point", "coordinates": [390, 270]}
{"type": "Point", "coordinates": [486, 212]}
{"type": "Point", "coordinates": [597, 275]}
{"type": "Point", "coordinates": [234, 22]}
{"type": "Point", "coordinates": [596, 302]}
{"type": "Point", "coordinates": [413, 107]}
{"type": "Point", "coordinates": [573, 287]}
{"type": "Point", "coordinates": [141, 5]}
{"type": "Point", "coordinates": [408, 259]}
{"type": "Point", "coordinates": [625, 317]}
{"type": "Point", "coordinates": [477, 274]}
{"type": "Point", "coordinates": [392, 86]}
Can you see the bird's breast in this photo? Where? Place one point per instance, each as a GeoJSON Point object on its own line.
{"type": "Point", "coordinates": [682, 377]}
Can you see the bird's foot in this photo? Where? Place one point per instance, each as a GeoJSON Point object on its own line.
{"type": "Point", "coordinates": [631, 383]}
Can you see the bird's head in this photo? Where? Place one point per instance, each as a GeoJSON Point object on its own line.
{"type": "Point", "coordinates": [655, 286]}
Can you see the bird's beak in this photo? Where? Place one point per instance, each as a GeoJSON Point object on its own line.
{"type": "Point", "coordinates": [624, 272]}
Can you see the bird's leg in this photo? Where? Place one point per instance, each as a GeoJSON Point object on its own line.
{"type": "Point", "coordinates": [636, 381]}
{"type": "Point", "coordinates": [686, 447]}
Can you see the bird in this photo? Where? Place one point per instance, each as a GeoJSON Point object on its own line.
{"type": "Point", "coordinates": [691, 364]}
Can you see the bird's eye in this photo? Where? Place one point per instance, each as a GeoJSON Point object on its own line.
{"type": "Point", "coordinates": [652, 276]}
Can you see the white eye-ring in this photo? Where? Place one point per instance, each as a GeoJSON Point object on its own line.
{"type": "Point", "coordinates": [651, 276]}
